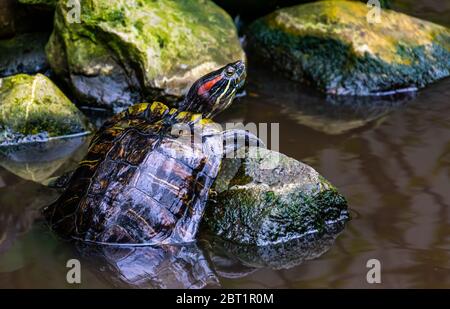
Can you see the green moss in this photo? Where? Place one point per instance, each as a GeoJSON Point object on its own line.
{"type": "Point", "coordinates": [161, 46]}
{"type": "Point", "coordinates": [31, 105]}
{"type": "Point", "coordinates": [331, 46]}
{"type": "Point", "coordinates": [272, 207]}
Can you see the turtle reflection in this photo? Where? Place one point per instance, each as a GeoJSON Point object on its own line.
{"type": "Point", "coordinates": [198, 265]}
{"type": "Point", "coordinates": [162, 266]}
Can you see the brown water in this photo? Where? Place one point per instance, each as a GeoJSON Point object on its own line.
{"type": "Point", "coordinates": [390, 157]}
{"type": "Point", "coordinates": [392, 163]}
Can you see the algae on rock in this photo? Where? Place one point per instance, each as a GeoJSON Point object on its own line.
{"type": "Point", "coordinates": [124, 51]}
{"type": "Point", "coordinates": [332, 46]}
{"type": "Point", "coordinates": [32, 108]}
{"type": "Point", "coordinates": [267, 198]}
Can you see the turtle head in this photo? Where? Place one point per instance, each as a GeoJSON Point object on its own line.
{"type": "Point", "coordinates": [215, 91]}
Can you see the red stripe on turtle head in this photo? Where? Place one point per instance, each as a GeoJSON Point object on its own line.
{"type": "Point", "coordinates": [208, 85]}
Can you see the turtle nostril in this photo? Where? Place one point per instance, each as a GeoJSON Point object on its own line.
{"type": "Point", "coordinates": [230, 70]}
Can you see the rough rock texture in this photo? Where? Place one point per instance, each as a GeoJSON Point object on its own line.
{"type": "Point", "coordinates": [23, 54]}
{"type": "Point", "coordinates": [124, 50]}
{"type": "Point", "coordinates": [253, 8]}
{"type": "Point", "coordinates": [32, 108]}
{"type": "Point", "coordinates": [268, 198]}
{"type": "Point", "coordinates": [330, 45]}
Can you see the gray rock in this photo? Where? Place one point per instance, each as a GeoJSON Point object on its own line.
{"type": "Point", "coordinates": [23, 54]}
{"type": "Point", "coordinates": [267, 198]}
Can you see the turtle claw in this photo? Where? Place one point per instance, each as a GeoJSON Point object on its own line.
{"type": "Point", "coordinates": [212, 193]}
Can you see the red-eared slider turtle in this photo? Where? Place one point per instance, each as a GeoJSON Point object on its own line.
{"type": "Point", "coordinates": [139, 183]}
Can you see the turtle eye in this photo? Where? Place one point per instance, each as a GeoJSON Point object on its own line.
{"type": "Point", "coordinates": [229, 71]}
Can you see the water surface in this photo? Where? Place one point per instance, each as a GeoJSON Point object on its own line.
{"type": "Point", "coordinates": [390, 157]}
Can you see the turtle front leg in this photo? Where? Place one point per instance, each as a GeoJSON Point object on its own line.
{"type": "Point", "coordinates": [237, 139]}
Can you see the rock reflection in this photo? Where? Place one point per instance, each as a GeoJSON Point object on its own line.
{"type": "Point", "coordinates": [195, 266]}
{"type": "Point", "coordinates": [40, 161]}
{"type": "Point", "coordinates": [332, 115]}
{"type": "Point", "coordinates": [230, 259]}
{"type": "Point", "coordinates": [20, 202]}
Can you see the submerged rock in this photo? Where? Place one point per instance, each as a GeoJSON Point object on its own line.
{"type": "Point", "coordinates": [23, 54]}
{"type": "Point", "coordinates": [268, 198]}
{"type": "Point", "coordinates": [332, 46]}
{"type": "Point", "coordinates": [32, 108]}
{"type": "Point", "coordinates": [123, 51]}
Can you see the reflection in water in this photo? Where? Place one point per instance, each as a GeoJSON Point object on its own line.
{"type": "Point", "coordinates": [332, 114]}
{"type": "Point", "coordinates": [229, 257]}
{"type": "Point", "coordinates": [40, 161]}
{"type": "Point", "coordinates": [395, 175]}
{"type": "Point", "coordinates": [195, 266]}
{"type": "Point", "coordinates": [151, 266]}
{"type": "Point", "coordinates": [20, 201]}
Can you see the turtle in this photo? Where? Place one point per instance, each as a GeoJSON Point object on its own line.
{"type": "Point", "coordinates": [140, 181]}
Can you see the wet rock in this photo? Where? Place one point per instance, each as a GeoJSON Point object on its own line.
{"type": "Point", "coordinates": [23, 54]}
{"type": "Point", "coordinates": [252, 8]}
{"type": "Point", "coordinates": [267, 198]}
{"type": "Point", "coordinates": [331, 46]}
{"type": "Point", "coordinates": [32, 108]}
{"type": "Point", "coordinates": [123, 51]}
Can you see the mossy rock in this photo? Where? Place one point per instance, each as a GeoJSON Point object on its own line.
{"type": "Point", "coordinates": [32, 108]}
{"type": "Point", "coordinates": [332, 46]}
{"type": "Point", "coordinates": [23, 54]}
{"type": "Point", "coordinates": [267, 198]}
{"type": "Point", "coordinates": [123, 51]}
{"type": "Point", "coordinates": [251, 8]}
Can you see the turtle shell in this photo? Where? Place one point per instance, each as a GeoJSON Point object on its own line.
{"type": "Point", "coordinates": [137, 184]}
